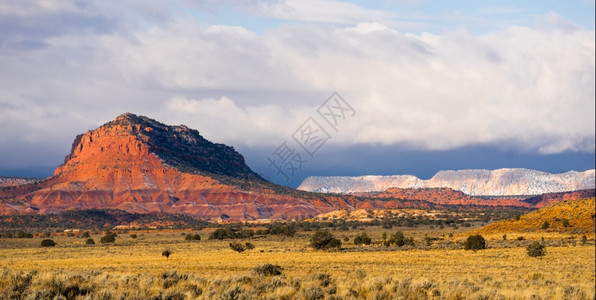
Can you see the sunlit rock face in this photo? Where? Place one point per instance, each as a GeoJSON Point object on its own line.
{"type": "Point", "coordinates": [140, 165]}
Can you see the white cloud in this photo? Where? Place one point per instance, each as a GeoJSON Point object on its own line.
{"type": "Point", "coordinates": [553, 20]}
{"type": "Point", "coordinates": [529, 88]}
{"type": "Point", "coordinates": [368, 27]}
{"type": "Point", "coordinates": [30, 8]}
{"type": "Point", "coordinates": [321, 11]}
{"type": "Point", "coordinates": [223, 120]}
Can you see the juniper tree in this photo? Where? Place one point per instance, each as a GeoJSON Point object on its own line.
{"type": "Point", "coordinates": [475, 243]}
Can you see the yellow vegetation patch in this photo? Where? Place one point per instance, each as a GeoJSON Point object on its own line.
{"type": "Point", "coordinates": [575, 216]}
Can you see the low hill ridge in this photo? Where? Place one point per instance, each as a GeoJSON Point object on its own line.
{"type": "Point", "coordinates": [574, 216]}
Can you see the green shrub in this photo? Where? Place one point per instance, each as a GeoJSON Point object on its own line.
{"type": "Point", "coordinates": [262, 232]}
{"type": "Point", "coordinates": [245, 233]}
{"type": "Point", "coordinates": [362, 238]}
{"type": "Point", "coordinates": [171, 279]}
{"type": "Point", "coordinates": [324, 279]}
{"type": "Point", "coordinates": [566, 223]}
{"type": "Point", "coordinates": [108, 238]}
{"type": "Point", "coordinates": [268, 270]}
{"type": "Point", "coordinates": [192, 237]}
{"type": "Point", "coordinates": [324, 240]}
{"type": "Point", "coordinates": [20, 284]}
{"type": "Point", "coordinates": [536, 249]}
{"type": "Point", "coordinates": [195, 290]}
{"type": "Point", "coordinates": [233, 293]}
{"type": "Point", "coordinates": [222, 233]}
{"type": "Point", "coordinates": [584, 240]}
{"type": "Point", "coordinates": [475, 243]}
{"type": "Point", "coordinates": [386, 224]}
{"type": "Point", "coordinates": [48, 243]}
{"type": "Point", "coordinates": [313, 293]}
{"type": "Point", "coordinates": [134, 236]}
{"type": "Point", "coordinates": [399, 239]}
{"type": "Point", "coordinates": [86, 235]}
{"type": "Point", "coordinates": [22, 234]}
{"type": "Point", "coordinates": [283, 230]}
{"type": "Point", "coordinates": [7, 235]}
{"type": "Point", "coordinates": [111, 233]}
{"type": "Point", "coordinates": [90, 241]}
{"type": "Point", "coordinates": [428, 240]}
{"type": "Point", "coordinates": [545, 225]}
{"type": "Point", "coordinates": [238, 247]}
{"type": "Point", "coordinates": [166, 253]}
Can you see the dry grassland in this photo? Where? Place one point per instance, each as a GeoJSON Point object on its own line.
{"type": "Point", "coordinates": [135, 269]}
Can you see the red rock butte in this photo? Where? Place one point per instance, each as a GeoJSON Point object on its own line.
{"type": "Point", "coordinates": [139, 165]}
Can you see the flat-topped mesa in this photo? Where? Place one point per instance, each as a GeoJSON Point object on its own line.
{"type": "Point", "coordinates": [132, 139]}
{"type": "Point", "coordinates": [501, 182]}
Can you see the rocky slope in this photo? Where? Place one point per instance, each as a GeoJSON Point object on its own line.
{"type": "Point", "coordinates": [501, 182]}
{"type": "Point", "coordinates": [550, 198]}
{"type": "Point", "coordinates": [139, 165]}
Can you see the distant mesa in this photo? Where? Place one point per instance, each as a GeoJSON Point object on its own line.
{"type": "Point", "coordinates": [16, 181]}
{"type": "Point", "coordinates": [501, 182]}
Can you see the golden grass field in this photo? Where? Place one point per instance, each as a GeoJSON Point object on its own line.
{"type": "Point", "coordinates": [206, 269]}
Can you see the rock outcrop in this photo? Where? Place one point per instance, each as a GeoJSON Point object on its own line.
{"type": "Point", "coordinates": [139, 165]}
{"type": "Point", "coordinates": [550, 198]}
{"type": "Point", "coordinates": [501, 182]}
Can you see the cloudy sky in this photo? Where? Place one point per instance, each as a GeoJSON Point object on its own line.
{"type": "Point", "coordinates": [424, 85]}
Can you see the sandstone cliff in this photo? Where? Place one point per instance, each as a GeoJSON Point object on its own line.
{"type": "Point", "coordinates": [139, 165]}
